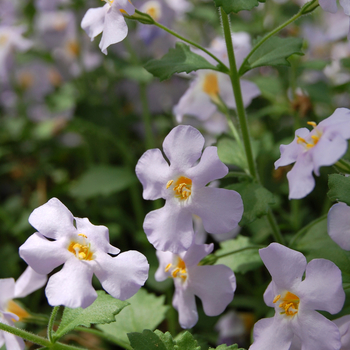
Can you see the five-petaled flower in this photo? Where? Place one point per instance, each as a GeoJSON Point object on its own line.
{"type": "Point", "coordinates": [214, 285]}
{"type": "Point", "coordinates": [84, 250]}
{"type": "Point", "coordinates": [108, 19]}
{"type": "Point", "coordinates": [10, 311]}
{"type": "Point", "coordinates": [295, 301]}
{"type": "Point", "coordinates": [323, 146]}
{"type": "Point", "coordinates": [183, 185]}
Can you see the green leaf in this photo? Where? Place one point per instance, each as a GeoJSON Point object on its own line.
{"type": "Point", "coordinates": [147, 340]}
{"type": "Point", "coordinates": [102, 180]}
{"type": "Point", "coordinates": [236, 5]}
{"type": "Point", "coordinates": [102, 310]}
{"type": "Point", "coordinates": [239, 262]}
{"type": "Point", "coordinates": [273, 52]}
{"type": "Point", "coordinates": [256, 200]}
{"type": "Point", "coordinates": [316, 243]}
{"type": "Point", "coordinates": [166, 338]}
{"type": "Point", "coordinates": [339, 188]}
{"type": "Point", "coordinates": [180, 59]}
{"type": "Point", "coordinates": [225, 347]}
{"type": "Point", "coordinates": [185, 341]}
{"type": "Point", "coordinates": [146, 311]}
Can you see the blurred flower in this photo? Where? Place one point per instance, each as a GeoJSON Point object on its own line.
{"type": "Point", "coordinates": [83, 250]}
{"type": "Point", "coordinates": [214, 285]}
{"type": "Point", "coordinates": [323, 146]}
{"type": "Point", "coordinates": [183, 185]}
{"type": "Point", "coordinates": [108, 19]}
{"type": "Point", "coordinates": [339, 225]}
{"type": "Point", "coordinates": [295, 301]}
{"type": "Point", "coordinates": [10, 311]}
{"type": "Point", "coordinates": [343, 323]}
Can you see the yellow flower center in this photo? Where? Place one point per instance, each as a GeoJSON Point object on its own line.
{"type": "Point", "coordinates": [312, 142]}
{"type": "Point", "coordinates": [3, 39]}
{"type": "Point", "coordinates": [14, 308]}
{"type": "Point", "coordinates": [182, 187]}
{"type": "Point", "coordinates": [81, 249]}
{"type": "Point", "coordinates": [153, 9]}
{"type": "Point", "coordinates": [211, 85]}
{"type": "Point", "coordinates": [73, 47]}
{"type": "Point", "coordinates": [289, 303]}
{"type": "Point", "coordinates": [177, 270]}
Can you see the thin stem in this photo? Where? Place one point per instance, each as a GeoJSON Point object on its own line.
{"type": "Point", "coordinates": [105, 336]}
{"type": "Point", "coordinates": [300, 13]}
{"type": "Point", "coordinates": [50, 333]}
{"type": "Point", "coordinates": [239, 251]}
{"type": "Point", "coordinates": [342, 166]}
{"type": "Point", "coordinates": [275, 229]}
{"type": "Point", "coordinates": [36, 339]}
{"type": "Point", "coordinates": [192, 43]}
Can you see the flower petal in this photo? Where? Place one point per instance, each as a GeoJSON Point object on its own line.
{"type": "Point", "coordinates": [185, 303]}
{"type": "Point", "coordinates": [196, 253]}
{"type": "Point", "coordinates": [343, 323]}
{"type": "Point", "coordinates": [114, 30]}
{"type": "Point", "coordinates": [93, 21]}
{"type": "Point", "coordinates": [300, 178]}
{"type": "Point", "coordinates": [183, 147]}
{"type": "Point", "coordinates": [169, 228]}
{"type": "Point", "coordinates": [71, 286]}
{"type": "Point", "coordinates": [164, 259]}
{"type": "Point", "coordinates": [337, 123]}
{"type": "Point", "coordinates": [214, 285]}
{"type": "Point", "coordinates": [43, 255]}
{"type": "Point", "coordinates": [29, 282]}
{"type": "Point", "coordinates": [329, 5]}
{"type": "Point", "coordinates": [272, 333]}
{"type": "Point", "coordinates": [123, 275]}
{"type": "Point", "coordinates": [322, 287]}
{"type": "Point", "coordinates": [220, 209]}
{"type": "Point", "coordinates": [153, 172]}
{"type": "Point", "coordinates": [316, 332]}
{"type": "Point", "coordinates": [7, 287]}
{"type": "Point", "coordinates": [286, 266]}
{"type": "Point", "coordinates": [338, 223]}
{"type": "Point", "coordinates": [11, 341]}
{"type": "Point", "coordinates": [52, 219]}
{"type": "Point", "coordinates": [209, 168]}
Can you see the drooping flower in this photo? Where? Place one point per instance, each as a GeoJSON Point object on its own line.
{"type": "Point", "coordinates": [322, 146]}
{"type": "Point", "coordinates": [183, 185]}
{"type": "Point", "coordinates": [338, 222]}
{"type": "Point", "coordinates": [109, 21]}
{"type": "Point", "coordinates": [10, 311]}
{"type": "Point", "coordinates": [214, 285]}
{"type": "Point", "coordinates": [84, 250]}
{"type": "Point", "coordinates": [295, 300]}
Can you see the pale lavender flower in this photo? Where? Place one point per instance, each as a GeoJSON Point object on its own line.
{"type": "Point", "coordinates": [108, 19]}
{"type": "Point", "coordinates": [84, 250]}
{"type": "Point", "coordinates": [10, 311]}
{"type": "Point", "coordinates": [214, 285]}
{"type": "Point", "coordinates": [295, 300]}
{"type": "Point", "coordinates": [339, 225]}
{"type": "Point", "coordinates": [323, 146]}
{"type": "Point", "coordinates": [343, 323]}
{"type": "Point", "coordinates": [183, 185]}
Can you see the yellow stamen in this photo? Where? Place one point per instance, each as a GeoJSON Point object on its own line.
{"type": "Point", "coordinates": [169, 183]}
{"type": "Point", "coordinates": [290, 304]}
{"type": "Point", "coordinates": [179, 269]}
{"type": "Point", "coordinates": [82, 235]}
{"type": "Point", "coordinates": [81, 250]}
{"type": "Point", "coordinates": [300, 139]}
{"type": "Point", "coordinates": [14, 308]}
{"type": "Point", "coordinates": [175, 272]}
{"type": "Point", "coordinates": [167, 268]}
{"type": "Point", "coordinates": [277, 297]}
{"type": "Point", "coordinates": [315, 138]}
{"type": "Point", "coordinates": [211, 85]}
{"type": "Point", "coordinates": [312, 124]}
{"type": "Point", "coordinates": [182, 187]}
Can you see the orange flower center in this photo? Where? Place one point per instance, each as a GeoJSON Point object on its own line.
{"type": "Point", "coordinates": [313, 138]}
{"type": "Point", "coordinates": [81, 249]}
{"type": "Point", "coordinates": [182, 187]}
{"type": "Point", "coordinates": [289, 303]}
{"type": "Point", "coordinates": [177, 270]}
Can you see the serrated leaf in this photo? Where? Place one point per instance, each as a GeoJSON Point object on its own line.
{"type": "Point", "coordinates": [239, 262]}
{"type": "Point", "coordinates": [273, 52]}
{"type": "Point", "coordinates": [102, 181]}
{"type": "Point", "coordinates": [236, 5]}
{"type": "Point", "coordinates": [102, 310]}
{"type": "Point", "coordinates": [166, 338]}
{"type": "Point", "coordinates": [146, 311]}
{"type": "Point", "coordinates": [339, 188]}
{"type": "Point", "coordinates": [177, 60]}
{"type": "Point", "coordinates": [256, 200]}
{"type": "Point", "coordinates": [185, 341]}
{"type": "Point", "coordinates": [147, 340]}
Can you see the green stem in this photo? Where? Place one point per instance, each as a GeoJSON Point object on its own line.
{"type": "Point", "coordinates": [342, 166]}
{"type": "Point", "coordinates": [305, 229]}
{"type": "Point", "coordinates": [274, 226]}
{"type": "Point", "coordinates": [307, 8]}
{"type": "Point", "coordinates": [50, 333]}
{"type": "Point", "coordinates": [236, 86]}
{"type": "Point", "coordinates": [105, 336]}
{"type": "Point", "coordinates": [239, 251]}
{"type": "Point", "coordinates": [36, 339]}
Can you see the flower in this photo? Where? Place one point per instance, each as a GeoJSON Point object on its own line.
{"type": "Point", "coordinates": [10, 311]}
{"type": "Point", "coordinates": [214, 285]}
{"type": "Point", "coordinates": [343, 323]}
{"type": "Point", "coordinates": [83, 249]}
{"type": "Point", "coordinates": [182, 185]}
{"type": "Point", "coordinates": [323, 146]}
{"type": "Point", "coordinates": [295, 301]}
{"type": "Point", "coordinates": [108, 19]}
{"type": "Point", "coordinates": [338, 222]}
